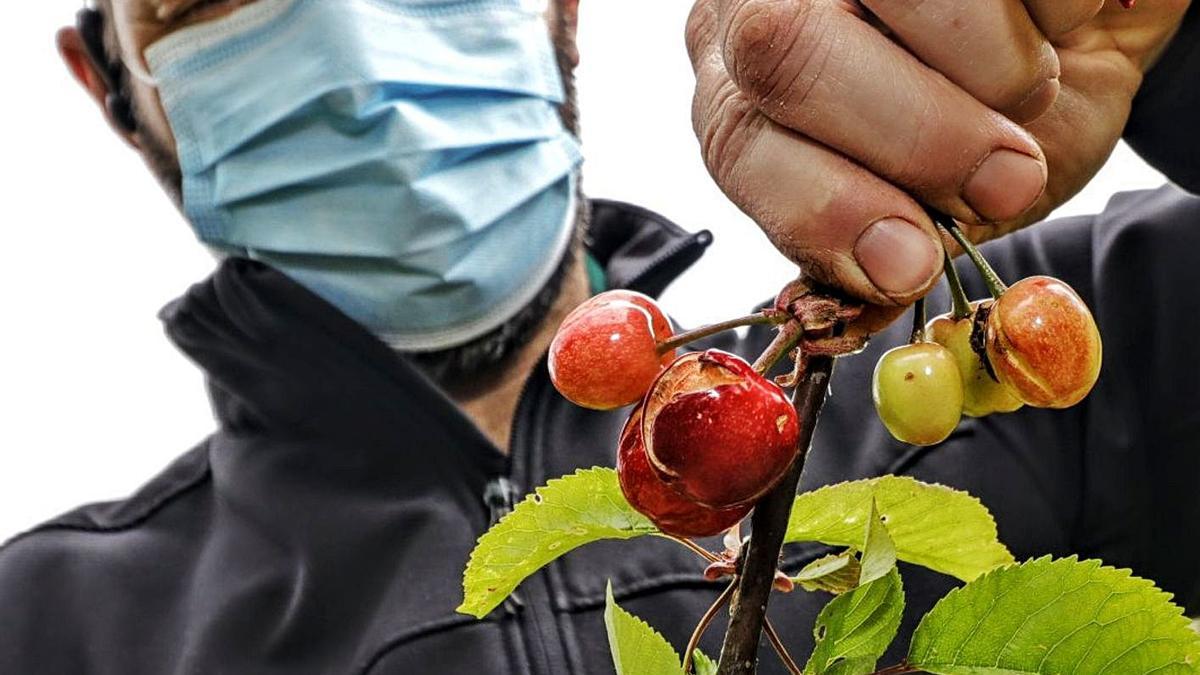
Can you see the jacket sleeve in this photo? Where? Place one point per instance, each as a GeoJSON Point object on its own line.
{"type": "Point", "coordinates": [1163, 126]}
{"type": "Point", "coordinates": [1142, 463]}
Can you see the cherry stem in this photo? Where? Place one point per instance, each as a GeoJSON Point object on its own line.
{"type": "Point", "coordinates": [918, 331]}
{"type": "Point", "coordinates": [992, 280]}
{"type": "Point", "coordinates": [705, 622]}
{"type": "Point", "coordinates": [962, 304]}
{"type": "Point", "coordinates": [785, 341]}
{"type": "Point", "coordinates": [739, 654]}
{"type": "Point", "coordinates": [693, 547]}
{"type": "Point", "coordinates": [782, 651]}
{"type": "Point", "coordinates": [690, 336]}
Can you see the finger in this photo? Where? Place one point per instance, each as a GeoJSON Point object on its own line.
{"type": "Point", "coordinates": [1057, 17]}
{"type": "Point", "coordinates": [992, 50]}
{"type": "Point", "coordinates": [843, 225]}
{"type": "Point", "coordinates": [817, 68]}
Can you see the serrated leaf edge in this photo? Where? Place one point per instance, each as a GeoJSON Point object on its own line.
{"type": "Point", "coordinates": [1184, 623]}
{"type": "Point", "coordinates": [610, 607]}
{"type": "Point", "coordinates": [993, 534]}
{"type": "Point", "coordinates": [474, 562]}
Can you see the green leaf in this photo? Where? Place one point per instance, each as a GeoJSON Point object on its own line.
{"type": "Point", "coordinates": [879, 551]}
{"type": "Point", "coordinates": [837, 573]}
{"type": "Point", "coordinates": [931, 525]}
{"type": "Point", "coordinates": [846, 571]}
{"type": "Point", "coordinates": [702, 665]}
{"type": "Point", "coordinates": [1055, 616]}
{"type": "Point", "coordinates": [636, 648]}
{"type": "Point", "coordinates": [564, 514]}
{"type": "Point", "coordinates": [854, 629]}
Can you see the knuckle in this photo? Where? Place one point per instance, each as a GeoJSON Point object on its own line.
{"type": "Point", "coordinates": [701, 29]}
{"type": "Point", "coordinates": [727, 124]}
{"type": "Point", "coordinates": [1064, 17]}
{"type": "Point", "coordinates": [776, 50]}
{"type": "Point", "coordinates": [1022, 79]}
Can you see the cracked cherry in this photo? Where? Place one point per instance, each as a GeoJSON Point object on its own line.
{"type": "Point", "coordinates": [1043, 343]}
{"type": "Point", "coordinates": [670, 511]}
{"type": "Point", "coordinates": [719, 433]}
{"type": "Point", "coordinates": [918, 393]}
{"type": "Point", "coordinates": [982, 393]}
{"type": "Point", "coordinates": [605, 353]}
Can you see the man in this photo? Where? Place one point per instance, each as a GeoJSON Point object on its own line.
{"type": "Point", "coordinates": [384, 181]}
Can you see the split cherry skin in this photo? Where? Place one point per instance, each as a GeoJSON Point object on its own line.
{"type": "Point", "coordinates": [1043, 343]}
{"type": "Point", "coordinates": [670, 511]}
{"type": "Point", "coordinates": [718, 432]}
{"type": "Point", "coordinates": [605, 353]}
{"type": "Point", "coordinates": [982, 393]}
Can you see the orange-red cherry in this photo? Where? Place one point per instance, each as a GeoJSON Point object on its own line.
{"type": "Point", "coordinates": [605, 354]}
{"type": "Point", "coordinates": [1043, 343]}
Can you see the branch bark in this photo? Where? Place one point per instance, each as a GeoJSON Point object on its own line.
{"type": "Point", "coordinates": [739, 654]}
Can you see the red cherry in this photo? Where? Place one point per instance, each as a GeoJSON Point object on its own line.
{"type": "Point", "coordinates": [719, 433]}
{"type": "Point", "coordinates": [605, 354]}
{"type": "Point", "coordinates": [662, 326]}
{"type": "Point", "coordinates": [667, 509]}
{"type": "Point", "coordinates": [1043, 343]}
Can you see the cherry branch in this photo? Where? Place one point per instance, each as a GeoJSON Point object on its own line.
{"type": "Point", "coordinates": [739, 654]}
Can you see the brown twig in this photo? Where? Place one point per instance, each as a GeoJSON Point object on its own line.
{"type": "Point", "coordinates": [785, 341]}
{"type": "Point", "coordinates": [705, 622]}
{"type": "Point", "coordinates": [739, 654]}
{"type": "Point", "coordinates": [781, 650]}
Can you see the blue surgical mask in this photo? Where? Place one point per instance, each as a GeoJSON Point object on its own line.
{"type": "Point", "coordinates": [403, 159]}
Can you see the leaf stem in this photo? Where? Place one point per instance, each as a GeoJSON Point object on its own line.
{"type": "Point", "coordinates": [739, 654]}
{"type": "Point", "coordinates": [693, 547]}
{"type": "Point", "coordinates": [962, 304]}
{"type": "Point", "coordinates": [705, 622]}
{"type": "Point", "coordinates": [992, 280]}
{"type": "Point", "coordinates": [690, 336]}
{"type": "Point", "coordinates": [782, 650]}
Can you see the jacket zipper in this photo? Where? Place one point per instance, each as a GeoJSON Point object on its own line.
{"type": "Point", "coordinates": [500, 496]}
{"type": "Point", "coordinates": [501, 493]}
{"type": "Point", "coordinates": [537, 611]}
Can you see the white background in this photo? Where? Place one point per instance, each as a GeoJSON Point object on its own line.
{"type": "Point", "coordinates": [94, 400]}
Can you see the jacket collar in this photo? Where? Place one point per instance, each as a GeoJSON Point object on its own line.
{"type": "Point", "coordinates": [279, 359]}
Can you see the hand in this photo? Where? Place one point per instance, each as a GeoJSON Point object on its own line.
{"type": "Point", "coordinates": [827, 120]}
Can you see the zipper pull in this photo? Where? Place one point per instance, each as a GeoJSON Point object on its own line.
{"type": "Point", "coordinates": [500, 496]}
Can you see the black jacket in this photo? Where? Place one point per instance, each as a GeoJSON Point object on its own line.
{"type": "Point", "coordinates": [324, 527]}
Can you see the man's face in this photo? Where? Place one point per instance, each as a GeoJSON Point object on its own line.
{"type": "Point", "coordinates": [134, 25]}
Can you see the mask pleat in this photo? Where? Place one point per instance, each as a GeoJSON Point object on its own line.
{"type": "Point", "coordinates": [405, 160]}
